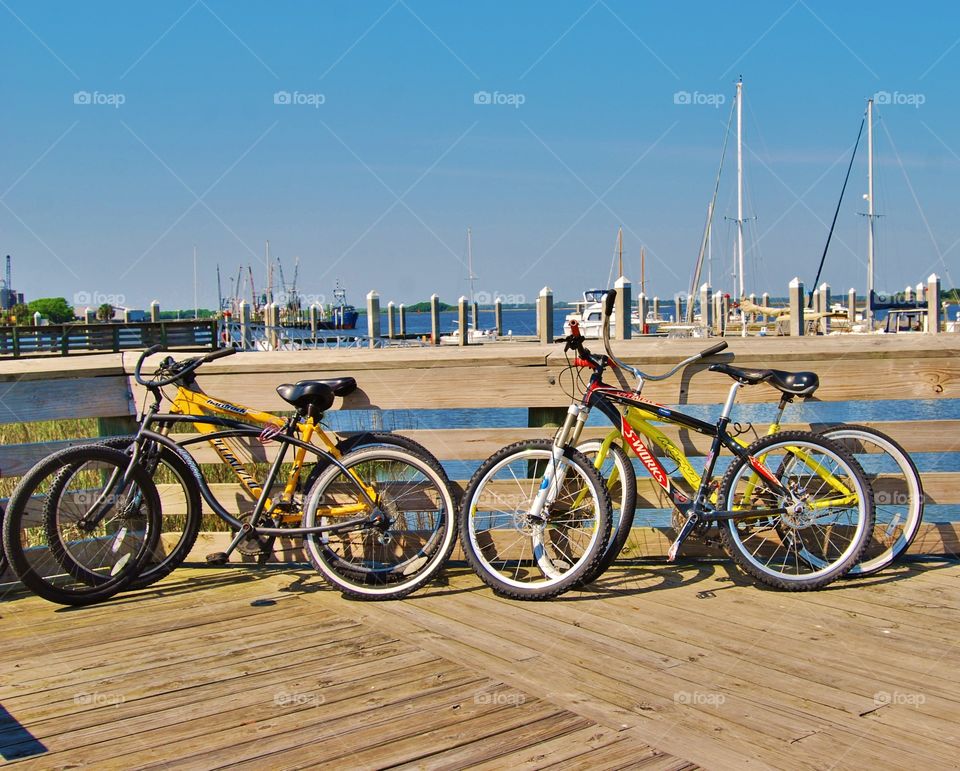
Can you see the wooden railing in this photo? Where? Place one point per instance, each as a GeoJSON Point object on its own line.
{"type": "Point", "coordinates": [64, 339]}
{"type": "Point", "coordinates": [520, 375]}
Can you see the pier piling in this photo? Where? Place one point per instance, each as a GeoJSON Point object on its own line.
{"type": "Point", "coordinates": [435, 319]}
{"type": "Point", "coordinates": [155, 311]}
{"type": "Point", "coordinates": [706, 308]}
{"type": "Point", "coordinates": [623, 308]}
{"type": "Point", "coordinates": [498, 316]}
{"type": "Point", "coordinates": [852, 305]}
{"type": "Point", "coordinates": [934, 309]}
{"type": "Point", "coordinates": [796, 307]}
{"type": "Point", "coordinates": [545, 315]}
{"type": "Point", "coordinates": [391, 313]}
{"type": "Point", "coordinates": [463, 332]}
{"type": "Point", "coordinates": [373, 317]}
{"type": "Point", "coordinates": [403, 320]}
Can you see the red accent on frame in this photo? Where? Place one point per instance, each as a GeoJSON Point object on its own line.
{"type": "Point", "coordinates": [762, 470]}
{"type": "Point", "coordinates": [646, 457]}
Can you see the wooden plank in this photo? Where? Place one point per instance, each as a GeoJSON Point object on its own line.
{"type": "Point", "coordinates": [27, 401]}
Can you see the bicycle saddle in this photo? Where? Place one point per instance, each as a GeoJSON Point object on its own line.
{"type": "Point", "coordinates": [793, 383]}
{"type": "Point", "coordinates": [341, 386]}
{"type": "Point", "coordinates": [307, 393]}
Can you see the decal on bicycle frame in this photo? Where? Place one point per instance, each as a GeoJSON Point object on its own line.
{"type": "Point", "coordinates": [762, 470]}
{"type": "Point", "coordinates": [646, 457]}
{"type": "Point", "coordinates": [628, 396]}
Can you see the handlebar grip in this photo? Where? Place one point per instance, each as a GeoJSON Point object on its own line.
{"type": "Point", "coordinates": [608, 303]}
{"type": "Point", "coordinates": [714, 349]}
{"type": "Point", "coordinates": [219, 354]}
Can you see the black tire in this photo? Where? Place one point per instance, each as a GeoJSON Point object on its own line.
{"type": "Point", "coordinates": [623, 501]}
{"type": "Point", "coordinates": [52, 567]}
{"type": "Point", "coordinates": [4, 563]}
{"type": "Point", "coordinates": [798, 559]}
{"type": "Point", "coordinates": [179, 527]}
{"type": "Point", "coordinates": [898, 508]}
{"type": "Point", "coordinates": [551, 567]}
{"type": "Point", "coordinates": [412, 547]}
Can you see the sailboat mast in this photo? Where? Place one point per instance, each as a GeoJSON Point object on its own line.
{"type": "Point", "coordinates": [870, 213]}
{"type": "Point", "coordinates": [471, 278]}
{"type": "Point", "coordinates": [709, 244]}
{"type": "Point", "coordinates": [620, 251]}
{"type": "Point", "coordinates": [196, 302]}
{"type": "Point", "coordinates": [740, 186]}
{"type": "Point", "coordinates": [219, 290]}
{"type": "Point", "coordinates": [643, 271]}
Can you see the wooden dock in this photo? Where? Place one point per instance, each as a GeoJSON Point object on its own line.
{"type": "Point", "coordinates": [657, 666]}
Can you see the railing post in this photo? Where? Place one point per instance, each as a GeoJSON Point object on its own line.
{"type": "Point", "coordinates": [825, 301]}
{"type": "Point", "coordinates": [545, 315]}
{"type": "Point", "coordinates": [908, 294]}
{"type": "Point", "coordinates": [642, 312]}
{"type": "Point", "coordinates": [656, 308]}
{"type": "Point", "coordinates": [498, 316]}
{"type": "Point", "coordinates": [155, 311]}
{"type": "Point", "coordinates": [15, 342]}
{"type": "Point", "coordinates": [373, 317]}
{"type": "Point", "coordinates": [852, 305]}
{"type": "Point", "coordinates": [796, 307]}
{"type": "Point", "coordinates": [475, 314]}
{"type": "Point", "coordinates": [706, 308]}
{"type": "Point", "coordinates": [403, 320]}
{"type": "Point", "coordinates": [765, 302]}
{"type": "Point", "coordinates": [934, 308]}
{"type": "Point", "coordinates": [623, 308]}
{"type": "Point", "coordinates": [435, 319]}
{"type": "Point", "coordinates": [391, 313]}
{"type": "Point", "coordinates": [463, 335]}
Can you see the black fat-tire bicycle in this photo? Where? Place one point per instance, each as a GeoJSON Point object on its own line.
{"type": "Point", "coordinates": [80, 524]}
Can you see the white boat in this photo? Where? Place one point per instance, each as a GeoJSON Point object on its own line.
{"type": "Point", "coordinates": [589, 316]}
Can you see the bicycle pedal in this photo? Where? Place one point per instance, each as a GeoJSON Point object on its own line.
{"type": "Point", "coordinates": [217, 558]}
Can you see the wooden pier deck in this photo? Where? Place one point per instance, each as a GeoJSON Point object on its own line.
{"type": "Point", "coordinates": [657, 666]}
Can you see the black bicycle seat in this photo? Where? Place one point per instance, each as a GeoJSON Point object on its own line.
{"type": "Point", "coordinates": [307, 393]}
{"type": "Point", "coordinates": [341, 386]}
{"type": "Point", "coordinates": [792, 383]}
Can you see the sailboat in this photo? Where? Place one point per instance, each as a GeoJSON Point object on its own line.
{"type": "Point", "coordinates": [474, 334]}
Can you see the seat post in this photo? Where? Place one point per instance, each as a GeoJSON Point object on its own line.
{"type": "Point", "coordinates": [731, 398]}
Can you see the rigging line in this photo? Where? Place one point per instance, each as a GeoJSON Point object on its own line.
{"type": "Point", "coordinates": [695, 279]}
{"type": "Point", "coordinates": [836, 213]}
{"type": "Point", "coordinates": [916, 200]}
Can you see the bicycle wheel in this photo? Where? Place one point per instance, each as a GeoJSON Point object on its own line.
{"type": "Point", "coordinates": [76, 532]}
{"type": "Point", "coordinates": [408, 548]}
{"type": "Point", "coordinates": [897, 493]}
{"type": "Point", "coordinates": [621, 481]}
{"type": "Point", "coordinates": [528, 558]}
{"type": "Point", "coordinates": [180, 508]}
{"type": "Point", "coordinates": [824, 526]}
{"type": "Point", "coordinates": [4, 563]}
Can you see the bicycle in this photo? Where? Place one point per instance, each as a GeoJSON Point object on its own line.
{"type": "Point", "coordinates": [898, 507]}
{"type": "Point", "coordinates": [181, 500]}
{"type": "Point", "coordinates": [773, 525]}
{"type": "Point", "coordinates": [377, 521]}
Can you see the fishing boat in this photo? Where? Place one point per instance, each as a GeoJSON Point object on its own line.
{"type": "Point", "coordinates": [338, 315]}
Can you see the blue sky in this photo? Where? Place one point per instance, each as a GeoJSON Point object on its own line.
{"type": "Point", "coordinates": [382, 157]}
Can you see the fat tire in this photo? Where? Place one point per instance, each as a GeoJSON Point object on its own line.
{"type": "Point", "coordinates": [14, 517]}
{"type": "Point", "coordinates": [360, 589]}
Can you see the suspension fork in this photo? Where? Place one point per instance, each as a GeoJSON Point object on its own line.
{"type": "Point", "coordinates": [556, 471]}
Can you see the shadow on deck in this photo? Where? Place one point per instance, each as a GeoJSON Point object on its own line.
{"type": "Point", "coordinates": [657, 666]}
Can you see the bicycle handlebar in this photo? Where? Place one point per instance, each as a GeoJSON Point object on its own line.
{"type": "Point", "coordinates": [189, 365]}
{"type": "Point", "coordinates": [609, 301]}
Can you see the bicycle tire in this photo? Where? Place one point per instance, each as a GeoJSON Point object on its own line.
{"type": "Point", "coordinates": [178, 530]}
{"type": "Point", "coordinates": [4, 562]}
{"type": "Point", "coordinates": [42, 566]}
{"type": "Point", "coordinates": [889, 508]}
{"type": "Point", "coordinates": [366, 565]}
{"type": "Point", "coordinates": [623, 503]}
{"type": "Point", "coordinates": [568, 570]}
{"type": "Point", "coordinates": [775, 532]}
